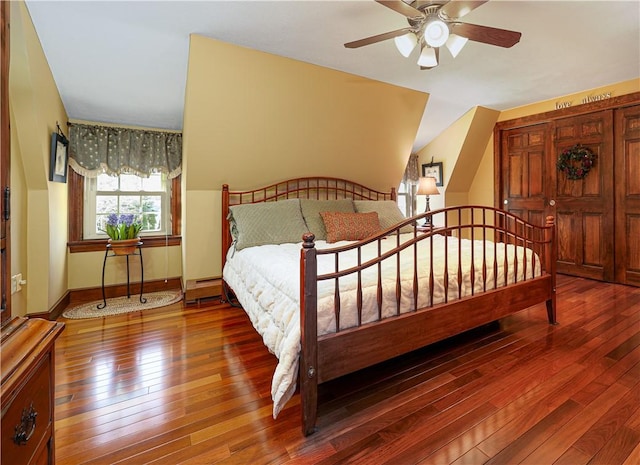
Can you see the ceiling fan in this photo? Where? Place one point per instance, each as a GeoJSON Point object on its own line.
{"type": "Point", "coordinates": [433, 24]}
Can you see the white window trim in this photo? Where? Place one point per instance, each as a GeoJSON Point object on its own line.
{"type": "Point", "coordinates": [89, 216]}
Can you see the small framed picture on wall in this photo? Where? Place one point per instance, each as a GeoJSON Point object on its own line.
{"type": "Point", "coordinates": [59, 158]}
{"type": "Point", "coordinates": [433, 170]}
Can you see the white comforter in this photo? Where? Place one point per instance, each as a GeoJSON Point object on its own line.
{"type": "Point", "coordinates": [266, 281]}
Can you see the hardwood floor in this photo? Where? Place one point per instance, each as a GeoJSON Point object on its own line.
{"type": "Point", "coordinates": [192, 385]}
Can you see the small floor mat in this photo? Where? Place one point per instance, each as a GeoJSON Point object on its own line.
{"type": "Point", "coordinates": [119, 305]}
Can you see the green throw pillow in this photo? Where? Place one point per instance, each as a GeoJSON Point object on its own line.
{"type": "Point", "coordinates": [266, 223]}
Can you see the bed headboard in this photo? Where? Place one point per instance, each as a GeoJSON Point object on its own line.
{"type": "Point", "coordinates": [318, 188]}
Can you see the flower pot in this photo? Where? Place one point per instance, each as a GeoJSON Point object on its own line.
{"type": "Point", "coordinates": [123, 246]}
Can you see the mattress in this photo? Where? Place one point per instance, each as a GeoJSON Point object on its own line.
{"type": "Point", "coordinates": [266, 281]}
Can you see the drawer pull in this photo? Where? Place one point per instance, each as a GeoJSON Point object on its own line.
{"type": "Point", "coordinates": [27, 426]}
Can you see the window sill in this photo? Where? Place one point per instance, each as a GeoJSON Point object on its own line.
{"type": "Point", "coordinates": [98, 245]}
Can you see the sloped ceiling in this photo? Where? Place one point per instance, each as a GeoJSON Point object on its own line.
{"type": "Point", "coordinates": [125, 61]}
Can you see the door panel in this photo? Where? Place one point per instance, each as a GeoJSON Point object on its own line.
{"type": "Point", "coordinates": [525, 171]}
{"type": "Point", "coordinates": [593, 250]}
{"type": "Point", "coordinates": [584, 207]}
{"type": "Point", "coordinates": [627, 195]}
{"type": "Point", "coordinates": [566, 244]}
{"type": "Point", "coordinates": [585, 251]}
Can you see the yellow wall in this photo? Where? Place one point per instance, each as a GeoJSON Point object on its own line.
{"type": "Point", "coordinates": [460, 148]}
{"type": "Point", "coordinates": [85, 268]}
{"type": "Point", "coordinates": [252, 118]}
{"type": "Point", "coordinates": [39, 222]}
{"type": "Point", "coordinates": [18, 220]}
{"type": "Point", "coordinates": [574, 100]}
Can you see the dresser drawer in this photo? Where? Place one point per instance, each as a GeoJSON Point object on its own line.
{"type": "Point", "coordinates": [27, 419]}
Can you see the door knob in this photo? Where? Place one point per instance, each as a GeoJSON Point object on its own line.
{"type": "Point", "coordinates": [552, 203]}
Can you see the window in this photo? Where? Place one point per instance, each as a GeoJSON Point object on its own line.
{"type": "Point", "coordinates": [407, 198]}
{"type": "Point", "coordinates": [79, 208]}
{"type": "Point", "coordinates": [146, 198]}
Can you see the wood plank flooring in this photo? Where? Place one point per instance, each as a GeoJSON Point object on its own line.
{"type": "Point", "coordinates": [192, 385]}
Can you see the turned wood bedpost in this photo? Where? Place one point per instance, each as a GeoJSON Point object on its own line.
{"type": "Point", "coordinates": [226, 234]}
{"type": "Point", "coordinates": [308, 371]}
{"type": "Point", "coordinates": [551, 258]}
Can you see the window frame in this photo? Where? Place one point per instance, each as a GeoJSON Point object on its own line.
{"type": "Point", "coordinates": [164, 194]}
{"type": "Point", "coordinates": [77, 243]}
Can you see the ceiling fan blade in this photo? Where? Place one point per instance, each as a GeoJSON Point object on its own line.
{"type": "Point", "coordinates": [458, 8]}
{"type": "Point", "coordinates": [486, 34]}
{"type": "Point", "coordinates": [401, 7]}
{"type": "Point", "coordinates": [377, 38]}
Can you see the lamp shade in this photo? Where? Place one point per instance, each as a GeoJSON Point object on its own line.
{"type": "Point", "coordinates": [428, 58]}
{"type": "Point", "coordinates": [455, 44]}
{"type": "Point", "coordinates": [436, 32]}
{"type": "Point", "coordinates": [427, 186]}
{"type": "Point", "coordinates": [406, 43]}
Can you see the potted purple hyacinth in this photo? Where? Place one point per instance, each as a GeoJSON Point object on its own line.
{"type": "Point", "coordinates": [123, 233]}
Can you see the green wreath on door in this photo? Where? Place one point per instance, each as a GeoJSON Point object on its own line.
{"type": "Point", "coordinates": [576, 162]}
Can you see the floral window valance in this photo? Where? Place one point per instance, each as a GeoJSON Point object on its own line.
{"type": "Point", "coordinates": [94, 150]}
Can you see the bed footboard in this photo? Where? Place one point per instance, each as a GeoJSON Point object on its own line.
{"type": "Point", "coordinates": [347, 350]}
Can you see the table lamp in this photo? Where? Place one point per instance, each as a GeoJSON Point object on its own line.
{"type": "Point", "coordinates": [427, 187]}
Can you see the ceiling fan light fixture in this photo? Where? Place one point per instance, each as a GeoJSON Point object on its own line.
{"type": "Point", "coordinates": [406, 43]}
{"type": "Point", "coordinates": [436, 32]}
{"type": "Point", "coordinates": [428, 58]}
{"type": "Point", "coordinates": [455, 44]}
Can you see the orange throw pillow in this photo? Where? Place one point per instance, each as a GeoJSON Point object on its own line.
{"type": "Point", "coordinates": [342, 226]}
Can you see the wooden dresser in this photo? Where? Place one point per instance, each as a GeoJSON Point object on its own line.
{"type": "Point", "coordinates": [27, 363]}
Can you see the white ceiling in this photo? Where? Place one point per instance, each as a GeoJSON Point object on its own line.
{"type": "Point", "coordinates": [125, 62]}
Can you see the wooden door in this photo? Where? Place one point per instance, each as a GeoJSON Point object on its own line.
{"type": "Point", "coordinates": [584, 207]}
{"type": "Point", "coordinates": [627, 195]}
{"type": "Point", "coordinates": [598, 218]}
{"type": "Point", "coordinates": [5, 154]}
{"type": "Point", "coordinates": [525, 172]}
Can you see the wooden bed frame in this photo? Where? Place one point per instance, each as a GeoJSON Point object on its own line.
{"type": "Point", "coordinates": [336, 354]}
